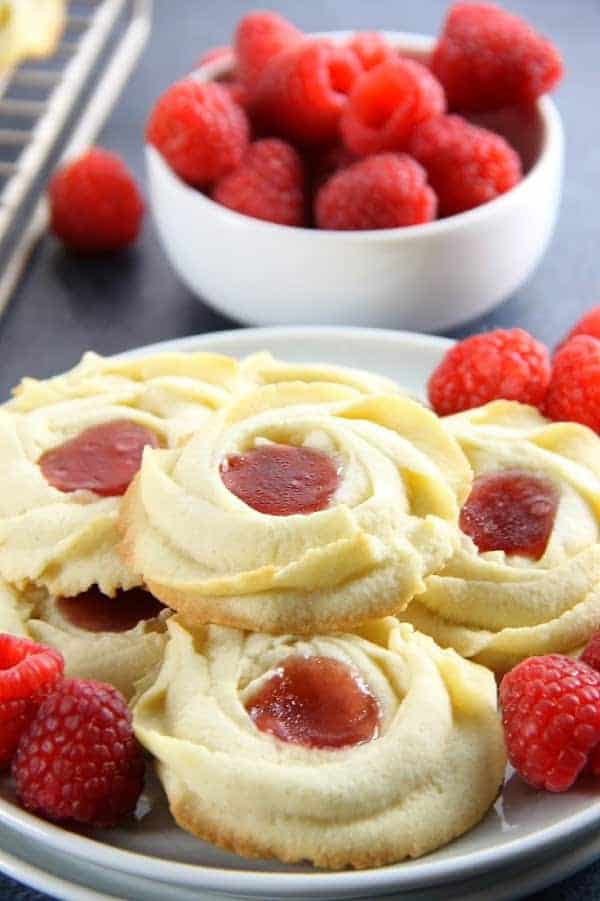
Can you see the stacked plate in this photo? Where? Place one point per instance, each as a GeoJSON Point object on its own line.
{"type": "Point", "coordinates": [529, 840]}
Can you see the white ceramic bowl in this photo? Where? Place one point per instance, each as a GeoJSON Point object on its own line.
{"type": "Point", "coordinates": [428, 277]}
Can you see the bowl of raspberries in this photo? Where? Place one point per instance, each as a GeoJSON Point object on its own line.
{"type": "Point", "coordinates": [366, 178]}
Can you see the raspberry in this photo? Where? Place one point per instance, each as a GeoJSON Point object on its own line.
{"type": "Point", "coordinates": [384, 191]}
{"type": "Point", "coordinates": [487, 58]}
{"type": "Point", "coordinates": [302, 91]}
{"type": "Point", "coordinates": [28, 672]}
{"type": "Point", "coordinates": [95, 205]}
{"type": "Point", "coordinates": [507, 364]}
{"type": "Point", "coordinates": [589, 324]}
{"type": "Point", "coordinates": [371, 48]}
{"type": "Point", "coordinates": [269, 184]}
{"type": "Point", "coordinates": [237, 91]}
{"type": "Point", "coordinates": [259, 37]}
{"type": "Point", "coordinates": [386, 103]}
{"type": "Point", "coordinates": [551, 716]}
{"type": "Point", "coordinates": [466, 165]}
{"type": "Point", "coordinates": [199, 130]}
{"type": "Point", "coordinates": [574, 390]}
{"type": "Point", "coordinates": [591, 652]}
{"type": "Point", "coordinates": [79, 759]}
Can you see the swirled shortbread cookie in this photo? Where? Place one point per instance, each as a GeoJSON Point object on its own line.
{"type": "Point", "coordinates": [118, 640]}
{"type": "Point", "coordinates": [264, 369]}
{"type": "Point", "coordinates": [15, 608]}
{"type": "Point", "coordinates": [69, 447]}
{"type": "Point", "coordinates": [526, 579]}
{"type": "Point", "coordinates": [343, 750]}
{"type": "Point", "coordinates": [303, 517]}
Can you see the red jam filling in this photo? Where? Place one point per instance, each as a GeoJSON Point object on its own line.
{"type": "Point", "coordinates": [511, 511]}
{"type": "Point", "coordinates": [282, 480]}
{"type": "Point", "coordinates": [103, 459]}
{"type": "Point", "coordinates": [317, 702]}
{"type": "Point", "coordinates": [95, 612]}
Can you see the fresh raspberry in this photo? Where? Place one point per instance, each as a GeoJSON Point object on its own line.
{"type": "Point", "coordinates": [79, 759]}
{"type": "Point", "coordinates": [259, 37]}
{"type": "Point", "coordinates": [237, 91]}
{"type": "Point", "coordinates": [214, 55]}
{"type": "Point", "coordinates": [384, 191]}
{"type": "Point", "coordinates": [589, 324]}
{"type": "Point", "coordinates": [551, 716]}
{"type": "Point", "coordinates": [507, 364]}
{"type": "Point", "coordinates": [302, 91]}
{"type": "Point", "coordinates": [591, 652]}
{"type": "Point", "coordinates": [28, 672]}
{"type": "Point", "coordinates": [574, 390]}
{"type": "Point", "coordinates": [269, 184]}
{"type": "Point", "coordinates": [371, 48]}
{"type": "Point", "coordinates": [487, 58]}
{"type": "Point", "coordinates": [95, 205]}
{"type": "Point", "coordinates": [199, 130]}
{"type": "Point", "coordinates": [466, 165]}
{"type": "Point", "coordinates": [386, 103]}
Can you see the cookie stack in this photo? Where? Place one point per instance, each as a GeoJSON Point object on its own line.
{"type": "Point", "coordinates": [288, 514]}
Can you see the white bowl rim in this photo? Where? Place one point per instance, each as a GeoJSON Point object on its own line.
{"type": "Point", "coordinates": [552, 143]}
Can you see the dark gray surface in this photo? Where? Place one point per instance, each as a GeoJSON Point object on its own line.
{"type": "Point", "coordinates": [66, 305]}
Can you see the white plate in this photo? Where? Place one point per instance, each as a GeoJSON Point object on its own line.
{"type": "Point", "coordinates": [525, 826]}
{"type": "Point", "coordinates": [81, 881]}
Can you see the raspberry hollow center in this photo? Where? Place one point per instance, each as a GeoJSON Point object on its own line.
{"type": "Point", "coordinates": [317, 702]}
{"type": "Point", "coordinates": [95, 612]}
{"type": "Point", "coordinates": [282, 480]}
{"type": "Point", "coordinates": [511, 511]}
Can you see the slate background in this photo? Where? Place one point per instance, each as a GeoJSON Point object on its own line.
{"type": "Point", "coordinates": [67, 304]}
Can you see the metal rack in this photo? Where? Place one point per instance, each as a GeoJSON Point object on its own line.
{"type": "Point", "coordinates": [37, 101]}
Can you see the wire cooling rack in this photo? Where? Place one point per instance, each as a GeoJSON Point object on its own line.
{"type": "Point", "coordinates": [37, 100]}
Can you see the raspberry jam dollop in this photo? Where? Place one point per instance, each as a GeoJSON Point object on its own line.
{"type": "Point", "coordinates": [317, 702]}
{"type": "Point", "coordinates": [95, 612]}
{"type": "Point", "coordinates": [280, 479]}
{"type": "Point", "coordinates": [511, 511]}
{"type": "Point", "coordinates": [103, 459]}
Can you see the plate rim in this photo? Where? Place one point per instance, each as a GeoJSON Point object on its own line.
{"type": "Point", "coordinates": [423, 872]}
